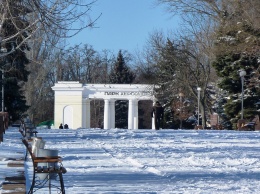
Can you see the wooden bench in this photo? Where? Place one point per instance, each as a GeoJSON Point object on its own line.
{"type": "Point", "coordinates": [30, 132]}
{"type": "Point", "coordinates": [27, 131]}
{"type": "Point", "coordinates": [250, 126]}
{"type": "Point", "coordinates": [246, 126]}
{"type": "Point", "coordinates": [198, 127]}
{"type": "Point", "coordinates": [56, 170]}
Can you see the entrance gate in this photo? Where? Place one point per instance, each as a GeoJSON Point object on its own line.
{"type": "Point", "coordinates": [72, 102]}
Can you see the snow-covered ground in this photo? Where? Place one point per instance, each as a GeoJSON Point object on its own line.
{"type": "Point", "coordinates": [149, 161]}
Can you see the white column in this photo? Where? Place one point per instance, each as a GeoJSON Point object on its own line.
{"type": "Point", "coordinates": [87, 113]}
{"type": "Point", "coordinates": [130, 114]}
{"type": "Point", "coordinates": [153, 125]}
{"type": "Point", "coordinates": [135, 108]}
{"type": "Point", "coordinates": [112, 114]}
{"type": "Point", "coordinates": [84, 113]}
{"type": "Point", "coordinates": [106, 115]}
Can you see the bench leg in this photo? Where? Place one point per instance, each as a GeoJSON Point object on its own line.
{"type": "Point", "coordinates": [32, 185]}
{"type": "Point", "coordinates": [61, 183]}
{"type": "Point", "coordinates": [62, 188]}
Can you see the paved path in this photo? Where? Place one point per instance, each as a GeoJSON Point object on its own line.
{"type": "Point", "coordinates": [12, 177]}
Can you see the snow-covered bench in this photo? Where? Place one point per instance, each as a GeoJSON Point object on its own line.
{"type": "Point", "coordinates": [52, 167]}
{"type": "Point", "coordinates": [27, 130]}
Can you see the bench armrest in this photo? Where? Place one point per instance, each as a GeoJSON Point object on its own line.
{"type": "Point", "coordinates": [42, 159]}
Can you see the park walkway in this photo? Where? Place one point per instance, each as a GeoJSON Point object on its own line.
{"type": "Point", "coordinates": [12, 171]}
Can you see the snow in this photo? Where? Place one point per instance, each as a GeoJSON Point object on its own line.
{"type": "Point", "coordinates": [149, 161]}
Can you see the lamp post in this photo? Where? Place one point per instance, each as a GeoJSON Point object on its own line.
{"type": "Point", "coordinates": [3, 51]}
{"type": "Point", "coordinates": [242, 74]}
{"type": "Point", "coordinates": [3, 90]}
{"type": "Point", "coordinates": [199, 89]}
{"type": "Point", "coordinates": [181, 95]}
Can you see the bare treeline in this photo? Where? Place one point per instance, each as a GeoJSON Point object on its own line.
{"type": "Point", "coordinates": [42, 26]}
{"type": "Point", "coordinates": [182, 61]}
{"type": "Point", "coordinates": [42, 19]}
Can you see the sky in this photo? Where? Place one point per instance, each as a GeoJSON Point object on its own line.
{"type": "Point", "coordinates": [123, 161]}
{"type": "Point", "coordinates": [125, 24]}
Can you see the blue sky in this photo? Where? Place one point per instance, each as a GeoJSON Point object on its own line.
{"type": "Point", "coordinates": [124, 24]}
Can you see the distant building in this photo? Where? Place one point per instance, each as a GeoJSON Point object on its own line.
{"type": "Point", "coordinates": [72, 102]}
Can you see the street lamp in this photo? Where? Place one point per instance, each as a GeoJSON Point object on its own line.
{"type": "Point", "coordinates": [3, 51]}
{"type": "Point", "coordinates": [199, 89]}
{"type": "Point", "coordinates": [3, 90]}
{"type": "Point", "coordinates": [242, 74]}
{"type": "Point", "coordinates": [181, 95]}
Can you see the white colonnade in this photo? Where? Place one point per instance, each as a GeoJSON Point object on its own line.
{"type": "Point", "coordinates": [77, 97]}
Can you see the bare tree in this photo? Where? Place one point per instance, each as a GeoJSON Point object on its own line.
{"type": "Point", "coordinates": [51, 18]}
{"type": "Point", "coordinates": [42, 26]}
{"type": "Point", "coordinates": [231, 25]}
{"type": "Point", "coordinates": [45, 60]}
{"type": "Point", "coordinates": [209, 8]}
{"type": "Point", "coordinates": [180, 66]}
